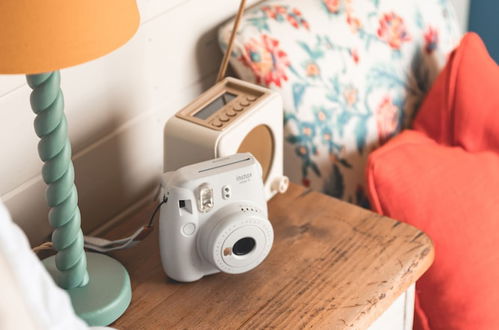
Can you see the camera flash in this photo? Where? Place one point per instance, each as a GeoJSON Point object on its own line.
{"type": "Point", "coordinates": [205, 198]}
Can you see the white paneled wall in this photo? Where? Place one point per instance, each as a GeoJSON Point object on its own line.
{"type": "Point", "coordinates": [116, 108]}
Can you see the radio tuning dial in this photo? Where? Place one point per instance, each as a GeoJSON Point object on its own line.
{"type": "Point", "coordinates": [217, 123]}
{"type": "Point", "coordinates": [251, 98]}
{"type": "Point", "coordinates": [224, 118]}
{"type": "Point", "coordinates": [231, 113]}
{"type": "Point", "coordinates": [238, 107]}
{"type": "Point", "coordinates": [245, 103]}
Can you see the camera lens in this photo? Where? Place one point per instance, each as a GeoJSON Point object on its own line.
{"type": "Point", "coordinates": [244, 246]}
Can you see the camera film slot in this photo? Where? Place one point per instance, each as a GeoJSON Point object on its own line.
{"type": "Point", "coordinates": [224, 165]}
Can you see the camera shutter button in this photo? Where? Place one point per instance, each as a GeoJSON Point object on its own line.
{"type": "Point", "coordinates": [189, 229]}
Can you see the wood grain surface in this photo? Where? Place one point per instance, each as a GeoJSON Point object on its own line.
{"type": "Point", "coordinates": [333, 266]}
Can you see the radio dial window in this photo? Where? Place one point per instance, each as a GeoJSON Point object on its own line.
{"type": "Point", "coordinates": [215, 105]}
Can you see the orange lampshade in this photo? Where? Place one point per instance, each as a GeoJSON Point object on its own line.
{"type": "Point", "coordinates": [45, 35]}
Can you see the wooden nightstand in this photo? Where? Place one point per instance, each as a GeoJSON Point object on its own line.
{"type": "Point", "coordinates": [333, 265]}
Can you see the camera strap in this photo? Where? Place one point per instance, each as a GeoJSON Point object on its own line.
{"type": "Point", "coordinates": [103, 245]}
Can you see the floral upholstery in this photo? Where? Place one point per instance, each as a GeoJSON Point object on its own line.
{"type": "Point", "coordinates": [351, 73]}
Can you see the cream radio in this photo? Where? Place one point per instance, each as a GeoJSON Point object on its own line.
{"type": "Point", "coordinates": [231, 117]}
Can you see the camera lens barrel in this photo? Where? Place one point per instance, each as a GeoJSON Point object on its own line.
{"type": "Point", "coordinates": [238, 241]}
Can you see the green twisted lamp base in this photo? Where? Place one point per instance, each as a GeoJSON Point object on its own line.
{"type": "Point", "coordinates": [98, 285]}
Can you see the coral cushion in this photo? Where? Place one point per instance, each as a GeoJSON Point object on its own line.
{"type": "Point", "coordinates": [443, 177]}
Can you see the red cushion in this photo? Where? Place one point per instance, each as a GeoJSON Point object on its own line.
{"type": "Point", "coordinates": [462, 107]}
{"type": "Point", "coordinates": [443, 177]}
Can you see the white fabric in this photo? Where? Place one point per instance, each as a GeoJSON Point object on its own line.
{"type": "Point", "coordinates": [49, 306]}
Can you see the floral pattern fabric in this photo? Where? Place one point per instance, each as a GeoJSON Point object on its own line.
{"type": "Point", "coordinates": [352, 74]}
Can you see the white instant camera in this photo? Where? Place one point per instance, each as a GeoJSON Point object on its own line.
{"type": "Point", "coordinates": [215, 219]}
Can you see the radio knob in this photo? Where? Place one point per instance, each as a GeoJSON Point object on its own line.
{"type": "Point", "coordinates": [251, 98]}
{"type": "Point", "coordinates": [245, 103]}
{"type": "Point", "coordinates": [238, 107]}
{"type": "Point", "coordinates": [217, 123]}
{"type": "Point", "coordinates": [224, 118]}
{"type": "Point", "coordinates": [231, 113]}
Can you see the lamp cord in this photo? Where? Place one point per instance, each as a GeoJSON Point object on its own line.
{"type": "Point", "coordinates": [230, 45]}
{"type": "Point", "coordinates": [43, 246]}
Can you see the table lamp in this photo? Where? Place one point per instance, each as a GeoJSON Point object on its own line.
{"type": "Point", "coordinates": [37, 38]}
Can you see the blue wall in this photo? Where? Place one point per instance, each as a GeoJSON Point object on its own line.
{"type": "Point", "coordinates": [484, 19]}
